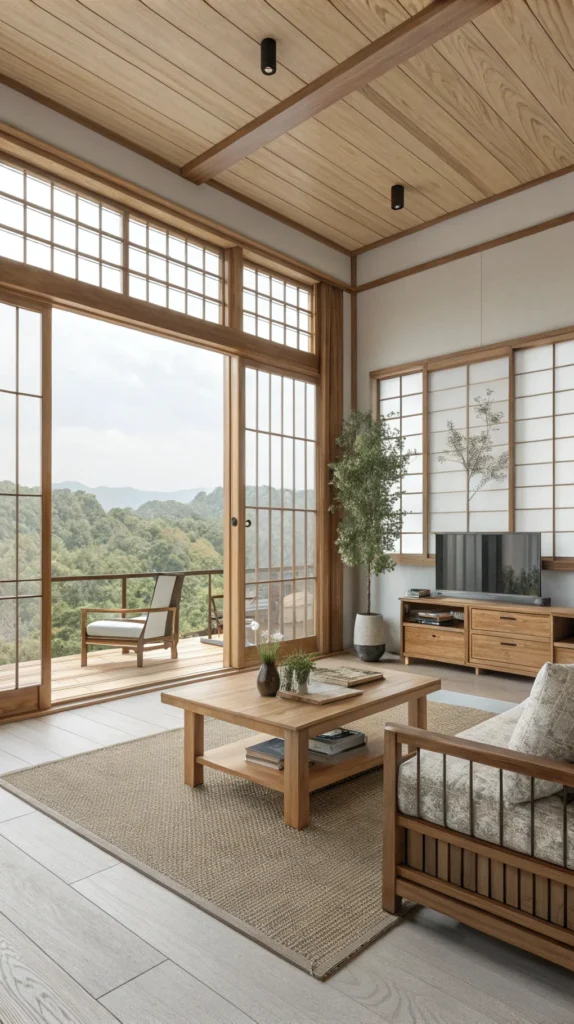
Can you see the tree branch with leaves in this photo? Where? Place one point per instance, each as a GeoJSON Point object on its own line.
{"type": "Point", "coordinates": [474, 452]}
{"type": "Point", "coordinates": [366, 480]}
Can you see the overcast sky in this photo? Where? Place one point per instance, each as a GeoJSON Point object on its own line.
{"type": "Point", "coordinates": [134, 410]}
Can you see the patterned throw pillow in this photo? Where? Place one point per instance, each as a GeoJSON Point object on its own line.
{"type": "Point", "coordinates": [545, 728]}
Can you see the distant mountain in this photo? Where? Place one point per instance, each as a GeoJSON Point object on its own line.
{"type": "Point", "coordinates": [127, 497]}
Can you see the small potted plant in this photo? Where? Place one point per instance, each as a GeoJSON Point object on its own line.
{"type": "Point", "coordinates": [367, 489]}
{"type": "Point", "coordinates": [268, 680]}
{"type": "Point", "coordinates": [296, 669]}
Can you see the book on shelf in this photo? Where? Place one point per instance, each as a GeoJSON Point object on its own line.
{"type": "Point", "coordinates": [335, 741]}
{"type": "Point", "coordinates": [276, 766]}
{"type": "Point", "coordinates": [327, 748]}
{"type": "Point", "coordinates": [272, 750]}
{"type": "Point", "coordinates": [439, 616]}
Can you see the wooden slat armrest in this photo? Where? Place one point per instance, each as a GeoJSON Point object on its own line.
{"type": "Point", "coordinates": [484, 753]}
{"type": "Point", "coordinates": [138, 611]}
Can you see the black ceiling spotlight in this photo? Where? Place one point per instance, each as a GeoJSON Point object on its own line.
{"type": "Point", "coordinates": [397, 197]}
{"type": "Point", "coordinates": [268, 56]}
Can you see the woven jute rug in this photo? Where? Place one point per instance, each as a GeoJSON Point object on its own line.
{"type": "Point", "coordinates": [313, 897]}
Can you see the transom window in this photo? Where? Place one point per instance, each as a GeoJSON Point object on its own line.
{"type": "Point", "coordinates": [277, 308]}
{"type": "Point", "coordinates": [50, 226]}
{"type": "Point", "coordinates": [174, 271]}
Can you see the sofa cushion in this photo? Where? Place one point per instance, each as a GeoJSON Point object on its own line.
{"type": "Point", "coordinates": [539, 832]}
{"type": "Point", "coordinates": [130, 629]}
{"type": "Point", "coordinates": [545, 729]}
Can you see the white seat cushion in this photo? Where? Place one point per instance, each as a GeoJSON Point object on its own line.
{"type": "Point", "coordinates": [129, 628]}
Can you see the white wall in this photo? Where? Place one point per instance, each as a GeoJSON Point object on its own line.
{"type": "Point", "coordinates": [30, 116]}
{"type": "Point", "coordinates": [516, 289]}
{"type": "Point", "coordinates": [502, 217]}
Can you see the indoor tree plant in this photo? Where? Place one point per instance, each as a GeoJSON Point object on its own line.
{"type": "Point", "coordinates": [366, 480]}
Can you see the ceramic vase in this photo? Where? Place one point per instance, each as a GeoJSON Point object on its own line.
{"type": "Point", "coordinates": [268, 679]}
{"type": "Point", "coordinates": [369, 637]}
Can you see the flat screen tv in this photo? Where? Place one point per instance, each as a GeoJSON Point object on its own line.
{"type": "Point", "coordinates": [489, 563]}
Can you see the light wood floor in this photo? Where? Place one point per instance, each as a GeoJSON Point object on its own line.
{"type": "Point", "coordinates": [88, 940]}
{"type": "Point", "coordinates": [111, 670]}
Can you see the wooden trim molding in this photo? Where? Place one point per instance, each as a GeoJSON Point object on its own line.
{"type": "Point", "coordinates": [418, 32]}
{"type": "Point", "coordinates": [472, 250]}
{"type": "Point", "coordinates": [465, 209]}
{"type": "Point", "coordinates": [33, 153]}
{"type": "Point", "coordinates": [354, 335]}
{"type": "Point", "coordinates": [329, 341]}
{"type": "Point", "coordinates": [476, 355]}
{"type": "Point", "coordinates": [86, 298]}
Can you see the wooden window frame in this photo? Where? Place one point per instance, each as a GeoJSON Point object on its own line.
{"type": "Point", "coordinates": [186, 239]}
{"type": "Point", "coordinates": [74, 222]}
{"type": "Point", "coordinates": [287, 281]}
{"type": "Point", "coordinates": [461, 358]}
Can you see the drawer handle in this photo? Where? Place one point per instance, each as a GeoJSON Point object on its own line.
{"type": "Point", "coordinates": [511, 618]}
{"type": "Point", "coordinates": [507, 643]}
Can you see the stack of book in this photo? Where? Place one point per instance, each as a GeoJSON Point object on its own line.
{"type": "Point", "coordinates": [270, 754]}
{"type": "Point", "coordinates": [434, 618]}
{"type": "Point", "coordinates": [327, 748]}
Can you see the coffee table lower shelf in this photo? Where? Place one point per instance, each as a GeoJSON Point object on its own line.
{"type": "Point", "coordinates": [231, 759]}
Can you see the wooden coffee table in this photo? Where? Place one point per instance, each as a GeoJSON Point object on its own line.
{"type": "Point", "coordinates": [234, 698]}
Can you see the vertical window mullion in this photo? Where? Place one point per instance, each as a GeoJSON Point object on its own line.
{"type": "Point", "coordinates": [425, 455]}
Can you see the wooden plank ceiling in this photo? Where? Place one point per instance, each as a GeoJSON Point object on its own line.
{"type": "Point", "coordinates": [485, 110]}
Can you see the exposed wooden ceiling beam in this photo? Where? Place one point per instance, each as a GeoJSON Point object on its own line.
{"type": "Point", "coordinates": [417, 33]}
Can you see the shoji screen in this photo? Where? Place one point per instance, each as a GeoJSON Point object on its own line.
{"type": "Point", "coordinates": [401, 401]}
{"type": "Point", "coordinates": [468, 448]}
{"type": "Point", "coordinates": [544, 449]}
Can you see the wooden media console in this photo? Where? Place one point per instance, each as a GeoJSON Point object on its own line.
{"type": "Point", "coordinates": [497, 635]}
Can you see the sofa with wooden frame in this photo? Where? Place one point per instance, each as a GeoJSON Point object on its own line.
{"type": "Point", "coordinates": [452, 843]}
{"type": "Point", "coordinates": [138, 629]}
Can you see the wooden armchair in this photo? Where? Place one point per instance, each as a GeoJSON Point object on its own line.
{"type": "Point", "coordinates": [145, 629]}
{"type": "Point", "coordinates": [517, 896]}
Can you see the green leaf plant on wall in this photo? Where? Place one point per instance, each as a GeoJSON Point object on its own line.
{"type": "Point", "coordinates": [474, 453]}
{"type": "Point", "coordinates": [366, 481]}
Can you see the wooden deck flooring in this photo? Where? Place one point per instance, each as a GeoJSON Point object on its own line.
{"type": "Point", "coordinates": [109, 670]}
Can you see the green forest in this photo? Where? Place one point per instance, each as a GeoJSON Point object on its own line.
{"type": "Point", "coordinates": [159, 536]}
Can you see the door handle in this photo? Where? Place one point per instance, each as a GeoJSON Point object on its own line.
{"type": "Point", "coordinates": [234, 520]}
{"type": "Point", "coordinates": [247, 522]}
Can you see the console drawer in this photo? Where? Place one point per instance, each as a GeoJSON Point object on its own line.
{"type": "Point", "coordinates": [519, 655]}
{"type": "Point", "coordinates": [511, 621]}
{"type": "Point", "coordinates": [443, 643]}
{"type": "Point", "coordinates": [564, 656]}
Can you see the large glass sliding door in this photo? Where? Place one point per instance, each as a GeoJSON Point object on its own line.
{"type": "Point", "coordinates": [24, 509]}
{"type": "Point", "coordinates": [279, 508]}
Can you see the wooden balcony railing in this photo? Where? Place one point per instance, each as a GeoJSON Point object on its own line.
{"type": "Point", "coordinates": [125, 576]}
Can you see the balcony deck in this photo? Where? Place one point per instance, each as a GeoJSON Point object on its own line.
{"type": "Point", "coordinates": [109, 670]}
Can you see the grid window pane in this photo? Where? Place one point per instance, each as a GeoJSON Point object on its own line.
{"type": "Point", "coordinates": [401, 402]}
{"type": "Point", "coordinates": [277, 309]}
{"type": "Point", "coordinates": [161, 258]}
{"type": "Point", "coordinates": [20, 491]}
{"type": "Point", "coordinates": [468, 446]}
{"type": "Point", "coordinates": [49, 227]}
{"type": "Point", "coordinates": [280, 456]}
